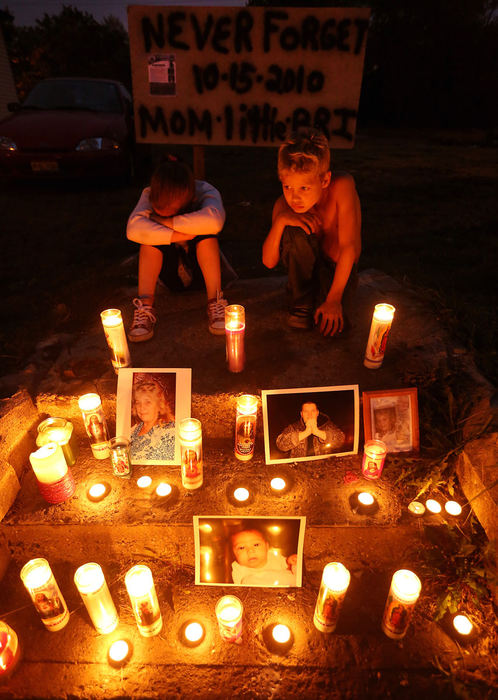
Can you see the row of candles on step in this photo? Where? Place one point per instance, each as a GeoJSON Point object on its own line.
{"type": "Point", "coordinates": [89, 578]}
{"type": "Point", "coordinates": [235, 324]}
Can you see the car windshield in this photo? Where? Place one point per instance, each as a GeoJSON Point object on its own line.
{"type": "Point", "coordinates": [74, 94]}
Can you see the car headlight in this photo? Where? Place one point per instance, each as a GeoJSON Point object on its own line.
{"type": "Point", "coordinates": [7, 144]}
{"type": "Point", "coordinates": [97, 143]}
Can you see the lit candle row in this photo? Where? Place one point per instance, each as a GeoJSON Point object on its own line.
{"type": "Point", "coordinates": [432, 506]}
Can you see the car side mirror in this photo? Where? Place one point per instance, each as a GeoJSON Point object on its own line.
{"type": "Point", "coordinates": [13, 106]}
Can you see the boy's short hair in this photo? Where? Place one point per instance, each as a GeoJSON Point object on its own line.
{"type": "Point", "coordinates": [171, 181]}
{"type": "Point", "coordinates": [305, 150]}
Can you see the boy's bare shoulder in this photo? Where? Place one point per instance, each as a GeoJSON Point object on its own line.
{"type": "Point", "coordinates": [280, 205]}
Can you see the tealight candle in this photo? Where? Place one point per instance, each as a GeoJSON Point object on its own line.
{"type": "Point", "coordinates": [194, 632]}
{"type": "Point", "coordinates": [10, 651]}
{"type": "Point", "coordinates": [374, 455]}
{"type": "Point", "coordinates": [59, 430]}
{"type": "Point", "coordinates": [235, 324]}
{"type": "Point", "coordinates": [95, 424]}
{"type": "Point", "coordinates": [144, 482]}
{"type": "Point", "coordinates": [143, 598]}
{"type": "Point", "coordinates": [462, 625]}
{"type": "Point", "coordinates": [245, 427]}
{"type": "Point", "coordinates": [119, 652]}
{"type": "Point", "coordinates": [453, 508]}
{"type": "Point", "coordinates": [379, 330]}
{"type": "Point", "coordinates": [112, 322]}
{"type": "Point", "coordinates": [433, 506]}
{"type": "Point", "coordinates": [335, 582]}
{"type": "Point", "coordinates": [241, 494]}
{"type": "Point", "coordinates": [229, 611]}
{"type": "Point", "coordinates": [97, 492]}
{"type": "Point", "coordinates": [403, 594]}
{"type": "Point", "coordinates": [54, 478]}
{"type": "Point", "coordinates": [278, 484]}
{"type": "Point", "coordinates": [41, 585]}
{"type": "Point", "coordinates": [416, 508]}
{"type": "Point", "coordinates": [190, 436]}
{"type": "Point", "coordinates": [365, 498]}
{"type": "Point", "coordinates": [92, 587]}
{"type": "Point", "coordinates": [163, 489]}
{"type": "Point", "coordinates": [281, 634]}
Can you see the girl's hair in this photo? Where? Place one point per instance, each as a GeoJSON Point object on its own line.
{"type": "Point", "coordinates": [149, 383]}
{"type": "Point", "coordinates": [171, 181]}
{"type": "Point", "coordinates": [306, 150]}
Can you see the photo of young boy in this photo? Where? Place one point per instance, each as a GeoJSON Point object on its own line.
{"type": "Point", "coordinates": [260, 552]}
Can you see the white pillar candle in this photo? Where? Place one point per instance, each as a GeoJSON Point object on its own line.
{"type": "Point", "coordinates": [379, 330]}
{"type": "Point", "coordinates": [335, 582]}
{"type": "Point", "coordinates": [235, 324]}
{"type": "Point", "coordinates": [92, 587]}
{"type": "Point", "coordinates": [112, 322]}
{"type": "Point", "coordinates": [95, 424]}
{"type": "Point", "coordinates": [41, 585]}
{"type": "Point", "coordinates": [229, 611]}
{"type": "Point", "coordinates": [403, 594]}
{"type": "Point", "coordinates": [190, 436]}
{"type": "Point", "coordinates": [374, 455]}
{"type": "Point", "coordinates": [245, 426]}
{"type": "Point", "coordinates": [59, 430]}
{"type": "Point", "coordinates": [55, 481]}
{"type": "Point", "coordinates": [143, 598]}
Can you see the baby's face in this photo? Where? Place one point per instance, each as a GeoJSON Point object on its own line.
{"type": "Point", "coordinates": [250, 548]}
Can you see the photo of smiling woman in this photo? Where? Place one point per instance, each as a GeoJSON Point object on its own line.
{"type": "Point", "coordinates": [153, 419]}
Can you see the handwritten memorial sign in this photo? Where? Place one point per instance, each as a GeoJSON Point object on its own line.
{"type": "Point", "coordinates": [245, 76]}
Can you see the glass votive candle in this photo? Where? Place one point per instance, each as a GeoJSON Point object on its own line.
{"type": "Point", "coordinates": [61, 431]}
{"type": "Point", "coordinates": [119, 653]}
{"type": "Point", "coordinates": [374, 456]}
{"type": "Point", "coordinates": [143, 598]}
{"type": "Point", "coordinates": [144, 482]}
{"type": "Point", "coordinates": [241, 494]}
{"type": "Point", "coordinates": [453, 508]}
{"type": "Point", "coordinates": [379, 330]}
{"type": "Point", "coordinates": [278, 484]}
{"type": "Point", "coordinates": [416, 508]}
{"type": "Point", "coordinates": [235, 324]}
{"type": "Point", "coordinates": [120, 457]}
{"type": "Point", "coordinates": [98, 491]}
{"type": "Point", "coordinates": [95, 424]}
{"type": "Point", "coordinates": [403, 594]}
{"type": "Point", "coordinates": [190, 437]}
{"type": "Point", "coordinates": [10, 650]}
{"type": "Point", "coordinates": [163, 489]}
{"type": "Point", "coordinates": [229, 611]}
{"type": "Point", "coordinates": [433, 506]}
{"type": "Point", "coordinates": [245, 427]}
{"type": "Point", "coordinates": [92, 587]}
{"type": "Point", "coordinates": [335, 582]}
{"type": "Point", "coordinates": [112, 322]}
{"type": "Point", "coordinates": [462, 625]}
{"type": "Point", "coordinates": [41, 585]}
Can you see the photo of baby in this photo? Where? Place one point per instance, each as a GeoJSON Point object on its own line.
{"type": "Point", "coordinates": [260, 552]}
{"type": "Point", "coordinates": [392, 416]}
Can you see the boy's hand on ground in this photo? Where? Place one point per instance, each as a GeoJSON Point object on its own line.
{"type": "Point", "coordinates": [329, 317]}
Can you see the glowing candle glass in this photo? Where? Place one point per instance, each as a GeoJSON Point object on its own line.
{"type": "Point", "coordinates": [453, 508]}
{"type": "Point", "coordinates": [278, 484]}
{"type": "Point", "coordinates": [54, 478]}
{"type": "Point", "coordinates": [403, 594]}
{"type": "Point", "coordinates": [95, 424]}
{"type": "Point", "coordinates": [241, 494]}
{"type": "Point", "coordinates": [120, 457]}
{"type": "Point", "coordinates": [10, 650]}
{"type": "Point", "coordinates": [229, 611]}
{"type": "Point", "coordinates": [365, 498]}
{"type": "Point", "coordinates": [144, 482]}
{"type": "Point", "coordinates": [92, 587]}
{"type": "Point", "coordinates": [416, 508]}
{"type": "Point", "coordinates": [97, 492]}
{"type": "Point", "coordinates": [433, 506]}
{"type": "Point", "coordinates": [281, 634]}
{"type": "Point", "coordinates": [235, 324]}
{"type": "Point", "coordinates": [335, 582]}
{"type": "Point", "coordinates": [190, 435]}
{"type": "Point", "coordinates": [245, 426]}
{"type": "Point", "coordinates": [374, 455]}
{"type": "Point", "coordinates": [59, 430]}
{"type": "Point", "coordinates": [143, 598]}
{"type": "Point", "coordinates": [119, 653]}
{"type": "Point", "coordinates": [379, 330]}
{"type": "Point", "coordinates": [163, 489]}
{"type": "Point", "coordinates": [112, 322]}
{"type": "Point", "coordinates": [41, 585]}
{"type": "Point", "coordinates": [463, 625]}
{"type": "Point", "coordinates": [194, 632]}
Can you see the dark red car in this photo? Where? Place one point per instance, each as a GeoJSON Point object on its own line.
{"type": "Point", "coordinates": [69, 127]}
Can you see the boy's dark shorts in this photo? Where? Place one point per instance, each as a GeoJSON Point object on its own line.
{"type": "Point", "coordinates": [172, 254]}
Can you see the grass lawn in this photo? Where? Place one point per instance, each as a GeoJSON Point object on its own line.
{"type": "Point", "coordinates": [429, 219]}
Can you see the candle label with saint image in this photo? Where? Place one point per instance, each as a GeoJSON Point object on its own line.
{"type": "Point", "coordinates": [229, 610]}
{"type": "Point", "coordinates": [333, 589]}
{"type": "Point", "coordinates": [143, 598]}
{"type": "Point", "coordinates": [93, 589]}
{"type": "Point", "coordinates": [403, 595]}
{"type": "Point", "coordinates": [115, 335]}
{"type": "Point", "coordinates": [95, 424]}
{"type": "Point", "coordinates": [45, 594]}
{"type": "Point", "coordinates": [191, 468]}
{"type": "Point", "coordinates": [245, 433]}
{"type": "Point", "coordinates": [374, 455]}
{"type": "Point", "coordinates": [190, 434]}
{"type": "Point", "coordinates": [120, 457]}
{"type": "Point", "coordinates": [377, 339]}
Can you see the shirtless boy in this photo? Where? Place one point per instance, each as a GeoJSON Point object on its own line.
{"type": "Point", "coordinates": [316, 232]}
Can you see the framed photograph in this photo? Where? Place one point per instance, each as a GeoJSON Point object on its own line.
{"type": "Point", "coordinates": [150, 403]}
{"type": "Point", "coordinates": [262, 552]}
{"type": "Point", "coordinates": [306, 424]}
{"type": "Point", "coordinates": [392, 416]}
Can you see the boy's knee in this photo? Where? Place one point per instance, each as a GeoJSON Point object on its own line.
{"type": "Point", "coordinates": [295, 241]}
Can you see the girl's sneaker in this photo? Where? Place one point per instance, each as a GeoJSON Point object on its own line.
{"type": "Point", "coordinates": [144, 320]}
{"type": "Point", "coordinates": [216, 314]}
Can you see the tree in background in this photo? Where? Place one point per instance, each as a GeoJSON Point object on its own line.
{"type": "Point", "coordinates": [71, 43]}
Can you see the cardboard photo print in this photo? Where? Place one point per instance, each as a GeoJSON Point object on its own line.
{"type": "Point", "coordinates": [258, 551]}
{"type": "Point", "coordinates": [307, 424]}
{"type": "Point", "coordinates": [392, 416]}
{"type": "Point", "coordinates": [150, 404]}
